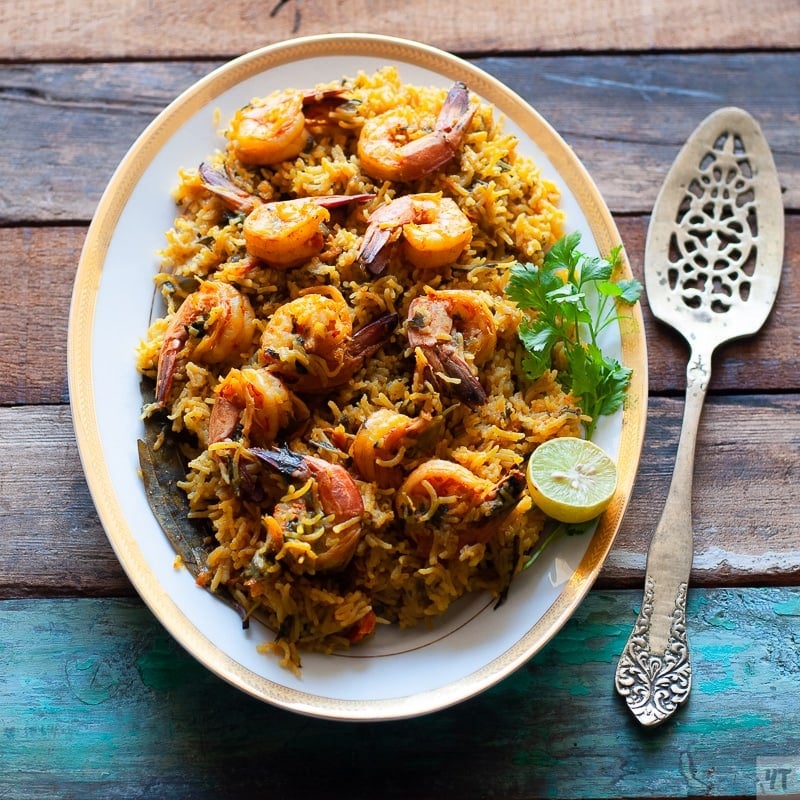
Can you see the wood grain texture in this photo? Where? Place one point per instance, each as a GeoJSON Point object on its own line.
{"type": "Point", "coordinates": [51, 541]}
{"type": "Point", "coordinates": [747, 465]}
{"type": "Point", "coordinates": [626, 117]}
{"type": "Point", "coordinates": [99, 702]}
{"type": "Point", "coordinates": [33, 354]}
{"type": "Point", "coordinates": [46, 29]}
{"type": "Point", "coordinates": [745, 477]}
{"type": "Point", "coordinates": [37, 269]}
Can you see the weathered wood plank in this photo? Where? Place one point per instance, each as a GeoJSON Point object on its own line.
{"type": "Point", "coordinates": [628, 116]}
{"type": "Point", "coordinates": [70, 125]}
{"type": "Point", "coordinates": [99, 29]}
{"type": "Point", "coordinates": [745, 478]}
{"type": "Point", "coordinates": [51, 541]}
{"type": "Point", "coordinates": [37, 268]}
{"type": "Point", "coordinates": [747, 466]}
{"type": "Point", "coordinates": [625, 116]}
{"type": "Point", "coordinates": [98, 701]}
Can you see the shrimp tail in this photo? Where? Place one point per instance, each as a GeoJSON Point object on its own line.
{"type": "Point", "coordinates": [167, 363]}
{"type": "Point", "coordinates": [334, 200]}
{"type": "Point", "coordinates": [218, 183]}
{"type": "Point", "coordinates": [237, 199]}
{"type": "Point", "coordinates": [448, 366]}
{"type": "Point", "coordinates": [456, 114]}
{"type": "Point", "coordinates": [375, 251]}
{"type": "Point", "coordinates": [429, 153]}
{"type": "Point", "coordinates": [385, 227]}
{"type": "Point", "coordinates": [318, 105]}
{"type": "Point", "coordinates": [369, 338]}
{"type": "Point", "coordinates": [506, 495]}
{"type": "Point", "coordinates": [498, 507]}
{"type": "Point", "coordinates": [223, 420]}
{"type": "Point", "coordinates": [374, 256]}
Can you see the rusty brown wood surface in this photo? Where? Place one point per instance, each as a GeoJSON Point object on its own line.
{"type": "Point", "coordinates": [102, 29]}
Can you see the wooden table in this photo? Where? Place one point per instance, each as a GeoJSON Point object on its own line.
{"type": "Point", "coordinates": [96, 700]}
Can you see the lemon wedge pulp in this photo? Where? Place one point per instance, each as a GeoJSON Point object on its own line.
{"type": "Point", "coordinates": [571, 480]}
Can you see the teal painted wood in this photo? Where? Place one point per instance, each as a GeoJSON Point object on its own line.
{"type": "Point", "coordinates": [97, 700]}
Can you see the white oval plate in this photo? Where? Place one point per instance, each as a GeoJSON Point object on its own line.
{"type": "Point", "coordinates": [397, 674]}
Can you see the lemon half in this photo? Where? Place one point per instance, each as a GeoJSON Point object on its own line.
{"type": "Point", "coordinates": [570, 479]}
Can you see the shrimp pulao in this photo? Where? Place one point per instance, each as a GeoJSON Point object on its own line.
{"type": "Point", "coordinates": [340, 365]}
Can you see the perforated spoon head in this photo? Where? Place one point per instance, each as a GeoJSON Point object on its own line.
{"type": "Point", "coordinates": [715, 242]}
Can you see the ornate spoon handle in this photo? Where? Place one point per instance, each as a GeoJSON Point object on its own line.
{"type": "Point", "coordinates": [654, 673]}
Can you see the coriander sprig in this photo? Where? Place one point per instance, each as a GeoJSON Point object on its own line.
{"type": "Point", "coordinates": [563, 321]}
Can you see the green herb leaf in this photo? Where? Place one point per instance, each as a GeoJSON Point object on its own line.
{"type": "Point", "coordinates": [570, 299]}
{"type": "Point", "coordinates": [631, 290]}
{"type": "Point", "coordinates": [564, 253]}
{"type": "Point", "coordinates": [559, 531]}
{"type": "Point", "coordinates": [595, 269]}
{"type": "Point", "coordinates": [538, 336]}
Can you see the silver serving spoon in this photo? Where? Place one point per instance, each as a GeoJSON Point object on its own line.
{"type": "Point", "coordinates": [712, 267]}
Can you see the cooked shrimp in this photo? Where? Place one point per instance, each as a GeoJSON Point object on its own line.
{"type": "Point", "coordinates": [319, 527]}
{"type": "Point", "coordinates": [287, 233]}
{"type": "Point", "coordinates": [283, 233]}
{"type": "Point", "coordinates": [213, 324]}
{"type": "Point", "coordinates": [441, 495]}
{"type": "Point", "coordinates": [389, 151]}
{"type": "Point", "coordinates": [255, 400]}
{"type": "Point", "coordinates": [433, 230]}
{"type": "Point", "coordinates": [382, 442]}
{"type": "Point", "coordinates": [310, 342]}
{"type": "Point", "coordinates": [272, 129]}
{"type": "Point", "coordinates": [449, 329]}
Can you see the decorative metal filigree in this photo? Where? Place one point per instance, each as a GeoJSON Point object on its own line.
{"type": "Point", "coordinates": [654, 684]}
{"type": "Point", "coordinates": [713, 245]}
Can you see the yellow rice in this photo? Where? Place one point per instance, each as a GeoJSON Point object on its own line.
{"type": "Point", "coordinates": [515, 216]}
